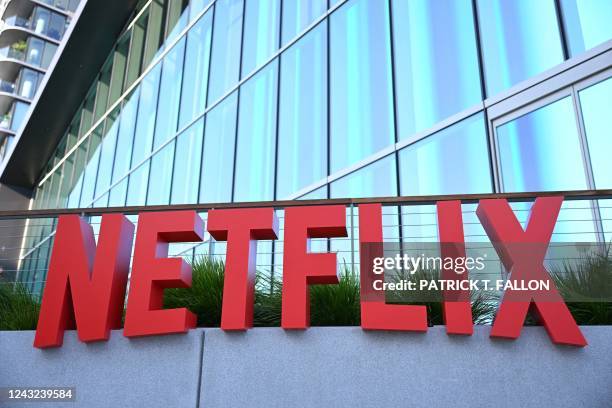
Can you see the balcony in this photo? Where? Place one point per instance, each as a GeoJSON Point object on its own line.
{"type": "Point", "coordinates": [17, 21]}
{"type": "Point", "coordinates": [15, 51]}
{"type": "Point", "coordinates": [7, 86]}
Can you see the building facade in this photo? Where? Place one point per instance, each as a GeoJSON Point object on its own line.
{"type": "Point", "coordinates": [30, 34]}
{"type": "Point", "coordinates": [242, 100]}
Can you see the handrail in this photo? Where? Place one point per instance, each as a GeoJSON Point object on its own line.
{"type": "Point", "coordinates": [405, 200]}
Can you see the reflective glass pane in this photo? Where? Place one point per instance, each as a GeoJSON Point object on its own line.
{"type": "Point", "coordinates": [302, 137]}
{"type": "Point", "coordinates": [160, 178]}
{"type": "Point", "coordinates": [91, 169]}
{"type": "Point", "coordinates": [186, 173]}
{"type": "Point", "coordinates": [260, 39]}
{"type": "Point", "coordinates": [254, 180]}
{"type": "Point", "coordinates": [436, 61]}
{"type": "Point", "coordinates": [520, 39]}
{"type": "Point", "coordinates": [218, 156]}
{"type": "Point", "coordinates": [596, 105]}
{"type": "Point", "coordinates": [169, 95]}
{"type": "Point", "coordinates": [360, 80]}
{"type": "Point", "coordinates": [540, 151]}
{"type": "Point", "coordinates": [297, 15]}
{"type": "Point", "coordinates": [378, 179]}
{"type": "Point", "coordinates": [145, 123]}
{"type": "Point", "coordinates": [123, 153]}
{"type": "Point", "coordinates": [136, 50]}
{"type": "Point", "coordinates": [107, 153]}
{"type": "Point", "coordinates": [137, 185]}
{"type": "Point", "coordinates": [452, 161]}
{"type": "Point", "coordinates": [195, 80]}
{"type": "Point", "coordinates": [227, 35]}
{"type": "Point", "coordinates": [587, 23]}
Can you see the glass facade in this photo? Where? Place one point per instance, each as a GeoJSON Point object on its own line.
{"type": "Point", "coordinates": [246, 100]}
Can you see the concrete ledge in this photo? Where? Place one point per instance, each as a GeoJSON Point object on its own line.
{"type": "Point", "coordinates": [319, 367]}
{"type": "Point", "coordinates": [347, 367]}
{"type": "Point", "coordinates": [159, 371]}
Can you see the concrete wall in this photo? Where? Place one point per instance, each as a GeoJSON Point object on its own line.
{"type": "Point", "coordinates": [319, 367]}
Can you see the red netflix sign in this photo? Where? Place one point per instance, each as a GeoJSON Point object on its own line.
{"type": "Point", "coordinates": [86, 285]}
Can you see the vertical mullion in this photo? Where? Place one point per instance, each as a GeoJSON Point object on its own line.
{"type": "Point", "coordinates": [561, 27]}
{"type": "Point", "coordinates": [205, 116]}
{"type": "Point", "coordinates": [588, 165]}
{"type": "Point", "coordinates": [278, 95]}
{"type": "Point", "coordinates": [238, 102]}
{"type": "Point", "coordinates": [175, 136]}
{"type": "Point", "coordinates": [494, 173]}
{"type": "Point", "coordinates": [395, 120]}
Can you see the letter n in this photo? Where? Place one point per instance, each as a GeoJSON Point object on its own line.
{"type": "Point", "coordinates": [85, 285]}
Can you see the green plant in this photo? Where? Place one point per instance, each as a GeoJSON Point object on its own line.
{"type": "Point", "coordinates": [330, 305]}
{"type": "Point", "coordinates": [19, 46]}
{"type": "Point", "coordinates": [586, 286]}
{"type": "Point", "coordinates": [205, 296]}
{"type": "Point", "coordinates": [18, 309]}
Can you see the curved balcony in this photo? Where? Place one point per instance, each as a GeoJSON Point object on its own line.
{"type": "Point", "coordinates": [25, 7]}
{"type": "Point", "coordinates": [13, 33]}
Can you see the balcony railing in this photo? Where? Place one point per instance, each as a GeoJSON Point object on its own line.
{"type": "Point", "coordinates": [12, 53]}
{"type": "Point", "coordinates": [6, 86]}
{"type": "Point", "coordinates": [585, 217]}
{"type": "Point", "coordinates": [17, 21]}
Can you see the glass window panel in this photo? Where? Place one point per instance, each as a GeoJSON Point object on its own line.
{"type": "Point", "coordinates": [28, 83]}
{"type": "Point", "coordinates": [136, 49]}
{"type": "Point", "coordinates": [302, 149]}
{"type": "Point", "coordinates": [436, 62]}
{"type": "Point", "coordinates": [65, 182]}
{"type": "Point", "coordinates": [520, 39]}
{"type": "Point", "coordinates": [196, 7]}
{"type": "Point", "coordinates": [218, 156]}
{"type": "Point", "coordinates": [53, 182]}
{"type": "Point", "coordinates": [187, 159]}
{"type": "Point", "coordinates": [123, 153]}
{"type": "Point", "coordinates": [125, 137]}
{"type": "Point", "coordinates": [35, 50]}
{"type": "Point", "coordinates": [378, 179]}
{"type": "Point", "coordinates": [176, 19]}
{"type": "Point", "coordinates": [103, 90]}
{"type": "Point", "coordinates": [161, 176]}
{"type": "Point", "coordinates": [361, 94]}
{"type": "Point", "coordinates": [57, 24]}
{"type": "Point", "coordinates": [19, 112]}
{"type": "Point", "coordinates": [452, 161]}
{"type": "Point", "coordinates": [297, 15]}
{"type": "Point", "coordinates": [154, 31]}
{"type": "Point", "coordinates": [197, 59]}
{"type": "Point", "coordinates": [118, 193]}
{"type": "Point", "coordinates": [587, 23]}
{"type": "Point", "coordinates": [256, 137]}
{"type": "Point", "coordinates": [137, 185]}
{"type": "Point", "coordinates": [540, 151]}
{"type": "Point", "coordinates": [225, 48]}
{"type": "Point", "coordinates": [48, 54]}
{"type": "Point", "coordinates": [79, 172]}
{"type": "Point", "coordinates": [260, 39]}
{"type": "Point", "coordinates": [169, 95]}
{"type": "Point", "coordinates": [91, 169]}
{"type": "Point", "coordinates": [145, 123]}
{"type": "Point", "coordinates": [87, 111]}
{"type": "Point", "coordinates": [596, 105]}
{"type": "Point", "coordinates": [119, 64]}
{"type": "Point", "coordinates": [107, 154]}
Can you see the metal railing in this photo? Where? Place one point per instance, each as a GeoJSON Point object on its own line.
{"type": "Point", "coordinates": [26, 237]}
